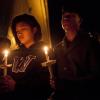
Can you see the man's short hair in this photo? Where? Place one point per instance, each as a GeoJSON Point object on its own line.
{"type": "Point", "coordinates": [72, 7]}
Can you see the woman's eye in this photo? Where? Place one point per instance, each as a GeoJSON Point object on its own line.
{"type": "Point", "coordinates": [17, 32]}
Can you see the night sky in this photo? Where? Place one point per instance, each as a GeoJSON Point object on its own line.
{"type": "Point", "coordinates": [90, 11]}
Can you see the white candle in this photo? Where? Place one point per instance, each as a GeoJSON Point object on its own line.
{"type": "Point", "coordinates": [48, 60]}
{"type": "Point", "coordinates": [6, 52]}
{"type": "Point", "coordinates": [46, 53]}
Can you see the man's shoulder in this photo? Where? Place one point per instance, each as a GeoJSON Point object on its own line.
{"type": "Point", "coordinates": [59, 45]}
{"type": "Point", "coordinates": [87, 38]}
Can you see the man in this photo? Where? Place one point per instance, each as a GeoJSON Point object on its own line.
{"type": "Point", "coordinates": [77, 60]}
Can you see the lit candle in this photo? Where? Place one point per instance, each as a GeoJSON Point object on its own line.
{"type": "Point", "coordinates": [46, 53]}
{"type": "Point", "coordinates": [6, 52]}
{"type": "Point", "coordinates": [48, 61]}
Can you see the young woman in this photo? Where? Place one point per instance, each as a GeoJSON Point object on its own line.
{"type": "Point", "coordinates": [27, 76]}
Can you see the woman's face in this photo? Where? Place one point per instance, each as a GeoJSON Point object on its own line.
{"type": "Point", "coordinates": [25, 33]}
{"type": "Point", "coordinates": [70, 21]}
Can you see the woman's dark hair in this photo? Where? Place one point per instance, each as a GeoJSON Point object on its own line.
{"type": "Point", "coordinates": [29, 19]}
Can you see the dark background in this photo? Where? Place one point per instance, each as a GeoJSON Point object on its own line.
{"type": "Point", "coordinates": [6, 7]}
{"type": "Point", "coordinates": [89, 10]}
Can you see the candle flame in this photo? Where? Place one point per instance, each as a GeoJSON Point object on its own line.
{"type": "Point", "coordinates": [6, 52]}
{"type": "Point", "coordinates": [46, 50]}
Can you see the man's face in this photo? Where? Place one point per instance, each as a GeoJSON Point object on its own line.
{"type": "Point", "coordinates": [70, 21]}
{"type": "Point", "coordinates": [25, 32]}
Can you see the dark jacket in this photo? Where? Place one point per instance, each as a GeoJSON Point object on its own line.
{"type": "Point", "coordinates": [77, 66]}
{"type": "Point", "coordinates": [31, 78]}
{"type": "Point", "coordinates": [77, 60]}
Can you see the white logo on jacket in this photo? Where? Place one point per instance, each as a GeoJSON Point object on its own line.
{"type": "Point", "coordinates": [21, 63]}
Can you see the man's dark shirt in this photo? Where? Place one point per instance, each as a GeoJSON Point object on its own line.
{"type": "Point", "coordinates": [77, 68]}
{"type": "Point", "coordinates": [77, 60]}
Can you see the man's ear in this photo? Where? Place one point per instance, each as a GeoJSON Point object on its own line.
{"type": "Point", "coordinates": [81, 20]}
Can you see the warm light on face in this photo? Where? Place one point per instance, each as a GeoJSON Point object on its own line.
{"type": "Point", "coordinates": [71, 21]}
{"type": "Point", "coordinates": [46, 50]}
{"type": "Point", "coordinates": [25, 33]}
{"type": "Point", "coordinates": [6, 52]}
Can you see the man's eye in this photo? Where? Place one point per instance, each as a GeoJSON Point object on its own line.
{"type": "Point", "coordinates": [68, 16]}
